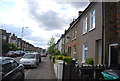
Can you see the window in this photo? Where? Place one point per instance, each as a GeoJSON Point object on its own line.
{"type": "Point", "coordinates": [63, 41]}
{"type": "Point", "coordinates": [67, 38]}
{"type": "Point", "coordinates": [74, 33]}
{"type": "Point", "coordinates": [69, 51]}
{"type": "Point", "coordinates": [29, 56]}
{"type": "Point", "coordinates": [8, 65]}
{"type": "Point", "coordinates": [15, 64]}
{"type": "Point", "coordinates": [74, 51]}
{"type": "Point", "coordinates": [4, 37]}
{"type": "Point", "coordinates": [85, 52]}
{"type": "Point", "coordinates": [92, 20]}
{"type": "Point", "coordinates": [84, 25]}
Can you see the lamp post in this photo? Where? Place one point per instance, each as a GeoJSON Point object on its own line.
{"type": "Point", "coordinates": [23, 31]}
{"type": "Point", "coordinates": [22, 46]}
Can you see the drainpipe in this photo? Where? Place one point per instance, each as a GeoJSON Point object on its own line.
{"type": "Point", "coordinates": [103, 33]}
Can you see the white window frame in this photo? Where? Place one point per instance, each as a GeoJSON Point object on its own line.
{"type": "Point", "coordinates": [74, 33]}
{"type": "Point", "coordinates": [92, 21]}
{"type": "Point", "coordinates": [74, 47]}
{"type": "Point", "coordinates": [4, 37]}
{"type": "Point", "coordinates": [83, 54]}
{"type": "Point", "coordinates": [84, 25]}
{"type": "Point", "coordinates": [67, 39]}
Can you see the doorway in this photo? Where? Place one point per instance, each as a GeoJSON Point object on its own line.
{"type": "Point", "coordinates": [113, 54]}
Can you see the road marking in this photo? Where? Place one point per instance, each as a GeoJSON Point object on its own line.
{"type": "Point", "coordinates": [27, 71]}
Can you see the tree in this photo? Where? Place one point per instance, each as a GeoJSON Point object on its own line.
{"type": "Point", "coordinates": [51, 41]}
{"type": "Point", "coordinates": [51, 44]}
{"type": "Point", "coordinates": [8, 47]}
{"type": "Point", "coordinates": [12, 47]}
{"type": "Point", "coordinates": [5, 47]}
{"type": "Point", "coordinates": [51, 50]}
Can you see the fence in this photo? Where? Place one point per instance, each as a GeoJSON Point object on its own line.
{"type": "Point", "coordinates": [86, 73]}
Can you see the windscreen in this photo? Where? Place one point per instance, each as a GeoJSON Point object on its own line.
{"type": "Point", "coordinates": [29, 56]}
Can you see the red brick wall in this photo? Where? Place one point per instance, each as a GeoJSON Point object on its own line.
{"type": "Point", "coordinates": [118, 29]}
{"type": "Point", "coordinates": [110, 31]}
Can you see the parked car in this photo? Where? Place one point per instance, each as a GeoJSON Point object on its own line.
{"type": "Point", "coordinates": [31, 59]}
{"type": "Point", "coordinates": [18, 53]}
{"type": "Point", "coordinates": [11, 54]}
{"type": "Point", "coordinates": [11, 70]}
{"type": "Point", "coordinates": [111, 74]}
{"type": "Point", "coordinates": [43, 55]}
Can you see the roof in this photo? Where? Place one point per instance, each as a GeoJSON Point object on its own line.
{"type": "Point", "coordinates": [32, 53]}
{"type": "Point", "coordinates": [2, 58]}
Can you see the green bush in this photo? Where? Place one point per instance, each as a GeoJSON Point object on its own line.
{"type": "Point", "coordinates": [65, 54]}
{"type": "Point", "coordinates": [57, 52]}
{"type": "Point", "coordinates": [50, 57]}
{"type": "Point", "coordinates": [59, 57]}
{"type": "Point", "coordinates": [89, 61]}
{"type": "Point", "coordinates": [67, 59]}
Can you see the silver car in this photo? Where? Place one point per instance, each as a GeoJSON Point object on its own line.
{"type": "Point", "coordinates": [30, 59]}
{"type": "Point", "coordinates": [10, 70]}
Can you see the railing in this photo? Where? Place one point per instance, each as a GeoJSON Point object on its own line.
{"type": "Point", "coordinates": [86, 73]}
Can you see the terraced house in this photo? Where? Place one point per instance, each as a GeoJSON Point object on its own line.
{"type": "Point", "coordinates": [95, 34]}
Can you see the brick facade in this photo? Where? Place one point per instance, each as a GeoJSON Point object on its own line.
{"type": "Point", "coordinates": [118, 29]}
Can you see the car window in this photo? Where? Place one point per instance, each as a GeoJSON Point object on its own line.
{"type": "Point", "coordinates": [37, 56]}
{"type": "Point", "coordinates": [29, 56]}
{"type": "Point", "coordinates": [15, 64]}
{"type": "Point", "coordinates": [8, 65]}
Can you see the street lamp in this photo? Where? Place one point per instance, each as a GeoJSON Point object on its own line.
{"type": "Point", "coordinates": [23, 31]}
{"type": "Point", "coordinates": [22, 37]}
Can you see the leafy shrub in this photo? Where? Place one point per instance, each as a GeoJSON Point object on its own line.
{"type": "Point", "coordinates": [89, 61]}
{"type": "Point", "coordinates": [64, 54]}
{"type": "Point", "coordinates": [59, 57]}
{"type": "Point", "coordinates": [67, 59]}
{"type": "Point", "coordinates": [57, 52]}
{"type": "Point", "coordinates": [50, 57]}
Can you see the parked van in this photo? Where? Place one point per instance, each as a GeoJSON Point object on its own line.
{"type": "Point", "coordinates": [31, 59]}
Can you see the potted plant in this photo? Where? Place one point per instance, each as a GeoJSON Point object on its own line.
{"type": "Point", "coordinates": [89, 61]}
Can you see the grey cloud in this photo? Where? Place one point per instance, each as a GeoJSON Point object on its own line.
{"type": "Point", "coordinates": [79, 5]}
{"type": "Point", "coordinates": [57, 35]}
{"type": "Point", "coordinates": [36, 38]}
{"type": "Point", "coordinates": [49, 20]}
{"type": "Point", "coordinates": [39, 44]}
{"type": "Point", "coordinates": [16, 30]}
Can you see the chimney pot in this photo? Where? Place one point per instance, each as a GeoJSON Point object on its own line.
{"type": "Point", "coordinates": [79, 13]}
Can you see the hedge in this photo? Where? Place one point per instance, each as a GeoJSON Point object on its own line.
{"type": "Point", "coordinates": [59, 57]}
{"type": "Point", "coordinates": [67, 59]}
{"type": "Point", "coordinates": [89, 61]}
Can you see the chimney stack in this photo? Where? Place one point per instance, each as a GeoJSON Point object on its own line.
{"type": "Point", "coordinates": [79, 13]}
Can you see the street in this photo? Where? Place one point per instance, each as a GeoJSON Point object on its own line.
{"type": "Point", "coordinates": [43, 71]}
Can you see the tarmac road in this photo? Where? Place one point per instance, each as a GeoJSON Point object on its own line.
{"type": "Point", "coordinates": [43, 71]}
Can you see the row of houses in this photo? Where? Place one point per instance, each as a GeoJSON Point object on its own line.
{"type": "Point", "coordinates": [95, 33]}
{"type": "Point", "coordinates": [18, 42]}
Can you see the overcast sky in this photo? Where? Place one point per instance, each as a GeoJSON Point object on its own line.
{"type": "Point", "coordinates": [44, 18]}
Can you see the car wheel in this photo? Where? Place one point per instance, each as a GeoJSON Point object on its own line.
{"type": "Point", "coordinates": [39, 60]}
{"type": "Point", "coordinates": [36, 64]}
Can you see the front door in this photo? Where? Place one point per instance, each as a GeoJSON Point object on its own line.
{"type": "Point", "coordinates": [113, 54]}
